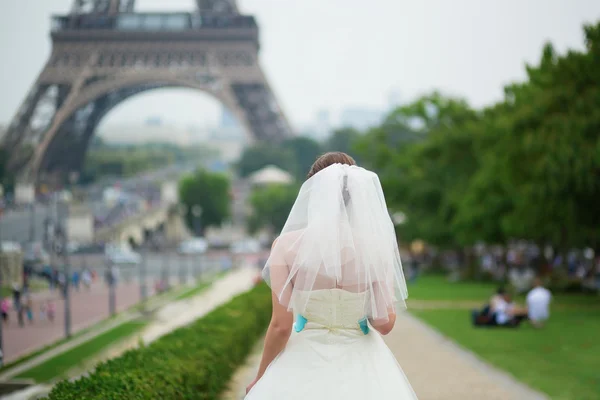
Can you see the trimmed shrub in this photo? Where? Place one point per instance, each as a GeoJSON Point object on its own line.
{"type": "Point", "coordinates": [193, 362]}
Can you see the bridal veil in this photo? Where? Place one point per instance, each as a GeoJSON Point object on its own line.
{"type": "Point", "coordinates": [339, 235]}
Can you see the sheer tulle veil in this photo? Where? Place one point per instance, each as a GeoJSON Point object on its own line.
{"type": "Point", "coordinates": [339, 235]}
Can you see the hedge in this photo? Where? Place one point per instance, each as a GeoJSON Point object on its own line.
{"type": "Point", "coordinates": [193, 362]}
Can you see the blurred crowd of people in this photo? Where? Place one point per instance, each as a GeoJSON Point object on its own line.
{"type": "Point", "coordinates": [521, 263]}
{"type": "Point", "coordinates": [44, 308]}
{"type": "Point", "coordinates": [23, 306]}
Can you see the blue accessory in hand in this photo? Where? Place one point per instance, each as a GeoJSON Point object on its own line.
{"type": "Point", "coordinates": [300, 323]}
{"type": "Point", "coordinates": [364, 326]}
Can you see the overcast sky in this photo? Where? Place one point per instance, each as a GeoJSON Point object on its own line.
{"type": "Point", "coordinates": [331, 54]}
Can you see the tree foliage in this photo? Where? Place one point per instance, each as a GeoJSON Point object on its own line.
{"type": "Point", "coordinates": [109, 160]}
{"type": "Point", "coordinates": [344, 140]}
{"type": "Point", "coordinates": [260, 155]}
{"type": "Point", "coordinates": [296, 155]}
{"type": "Point", "coordinates": [211, 191]}
{"type": "Point", "coordinates": [6, 180]}
{"type": "Point", "coordinates": [304, 151]}
{"type": "Point", "coordinates": [527, 167]}
{"type": "Point", "coordinates": [271, 206]}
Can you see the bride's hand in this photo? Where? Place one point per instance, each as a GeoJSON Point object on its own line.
{"type": "Point", "coordinates": [251, 385]}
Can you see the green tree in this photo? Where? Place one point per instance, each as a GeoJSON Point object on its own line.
{"type": "Point", "coordinates": [5, 178]}
{"type": "Point", "coordinates": [527, 167]}
{"type": "Point", "coordinates": [271, 206]}
{"type": "Point", "coordinates": [211, 192]}
{"type": "Point", "coordinates": [260, 155]}
{"type": "Point", "coordinates": [424, 154]}
{"type": "Point", "coordinates": [305, 151]}
{"type": "Point", "coordinates": [344, 140]}
{"type": "Point", "coordinates": [553, 148]}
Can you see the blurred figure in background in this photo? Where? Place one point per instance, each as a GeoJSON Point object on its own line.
{"type": "Point", "coordinates": [16, 292]}
{"type": "Point", "coordinates": [86, 278]}
{"type": "Point", "coordinates": [29, 308]}
{"type": "Point", "coordinates": [5, 307]}
{"type": "Point", "coordinates": [507, 313]}
{"type": "Point", "coordinates": [50, 310]}
{"type": "Point", "coordinates": [487, 315]}
{"type": "Point", "coordinates": [538, 303]}
{"type": "Point", "coordinates": [75, 279]}
{"type": "Point", "coordinates": [521, 278]}
{"type": "Point", "coordinates": [43, 312]}
{"type": "Point", "coordinates": [413, 263]}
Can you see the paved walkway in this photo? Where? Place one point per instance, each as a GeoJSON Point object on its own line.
{"type": "Point", "coordinates": [436, 367]}
{"type": "Point", "coordinates": [167, 319]}
{"type": "Point", "coordinates": [87, 308]}
{"type": "Point", "coordinates": [179, 313]}
{"type": "Point", "coordinates": [184, 312]}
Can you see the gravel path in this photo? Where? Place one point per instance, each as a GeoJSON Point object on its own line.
{"type": "Point", "coordinates": [438, 369]}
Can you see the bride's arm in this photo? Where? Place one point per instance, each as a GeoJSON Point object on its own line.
{"type": "Point", "coordinates": [385, 327]}
{"type": "Point", "coordinates": [282, 320]}
{"type": "Point", "coordinates": [277, 336]}
{"type": "Point", "coordinates": [383, 301]}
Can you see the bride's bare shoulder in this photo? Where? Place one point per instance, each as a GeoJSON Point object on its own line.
{"type": "Point", "coordinates": [288, 238]}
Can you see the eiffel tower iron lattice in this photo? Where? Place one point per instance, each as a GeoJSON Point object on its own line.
{"type": "Point", "coordinates": [103, 53]}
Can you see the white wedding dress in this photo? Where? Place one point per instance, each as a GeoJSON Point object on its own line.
{"type": "Point", "coordinates": [331, 357]}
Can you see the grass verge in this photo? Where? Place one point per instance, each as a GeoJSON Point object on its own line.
{"type": "Point", "coordinates": [58, 366]}
{"type": "Point", "coordinates": [177, 292]}
{"type": "Point", "coordinates": [192, 362]}
{"type": "Point", "coordinates": [560, 360]}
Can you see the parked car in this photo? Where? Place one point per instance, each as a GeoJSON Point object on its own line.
{"type": "Point", "coordinates": [34, 254]}
{"type": "Point", "coordinates": [193, 246]}
{"type": "Point", "coordinates": [246, 246]}
{"type": "Point", "coordinates": [121, 254]}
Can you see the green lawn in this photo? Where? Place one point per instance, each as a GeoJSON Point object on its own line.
{"type": "Point", "coordinates": [437, 287]}
{"type": "Point", "coordinates": [562, 359]}
{"type": "Point", "coordinates": [58, 366]}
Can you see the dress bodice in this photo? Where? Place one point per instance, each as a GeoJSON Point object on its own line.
{"type": "Point", "coordinates": [331, 308]}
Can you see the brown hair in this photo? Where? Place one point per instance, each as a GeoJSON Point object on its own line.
{"type": "Point", "coordinates": [327, 159]}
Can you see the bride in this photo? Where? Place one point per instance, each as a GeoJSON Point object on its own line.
{"type": "Point", "coordinates": [336, 281]}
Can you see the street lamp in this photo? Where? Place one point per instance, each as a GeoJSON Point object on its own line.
{"type": "Point", "coordinates": [64, 199]}
{"type": "Point", "coordinates": [196, 214]}
{"type": "Point", "coordinates": [32, 222]}
{"type": "Point", "coordinates": [182, 210]}
{"type": "Point", "coordinates": [143, 265]}
{"type": "Point", "coordinates": [1, 282]}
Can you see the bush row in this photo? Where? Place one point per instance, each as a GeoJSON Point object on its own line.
{"type": "Point", "coordinates": [193, 362]}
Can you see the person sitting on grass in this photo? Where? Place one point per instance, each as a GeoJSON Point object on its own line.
{"type": "Point", "coordinates": [538, 303]}
{"type": "Point", "coordinates": [486, 316]}
{"type": "Point", "coordinates": [507, 313]}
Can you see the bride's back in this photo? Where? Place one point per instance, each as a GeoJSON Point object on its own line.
{"type": "Point", "coordinates": [335, 308]}
{"type": "Point", "coordinates": [339, 235]}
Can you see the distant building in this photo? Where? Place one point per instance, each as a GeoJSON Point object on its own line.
{"type": "Point", "coordinates": [360, 118]}
{"type": "Point", "coordinates": [323, 124]}
{"type": "Point", "coordinates": [228, 120]}
{"type": "Point", "coordinates": [155, 132]}
{"type": "Point", "coordinates": [229, 127]}
{"type": "Point", "coordinates": [154, 121]}
{"type": "Point", "coordinates": [394, 99]}
{"type": "Point", "coordinates": [229, 143]}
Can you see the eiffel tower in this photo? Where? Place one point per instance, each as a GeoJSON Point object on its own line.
{"type": "Point", "coordinates": [103, 52]}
